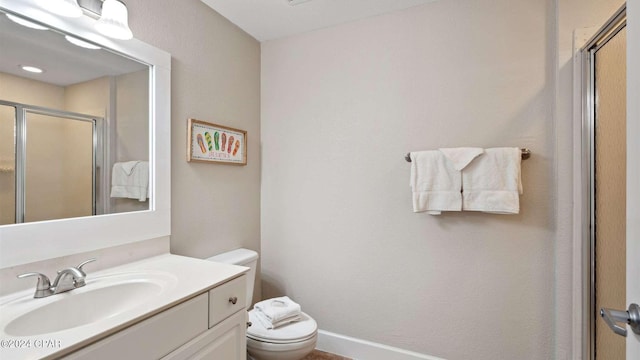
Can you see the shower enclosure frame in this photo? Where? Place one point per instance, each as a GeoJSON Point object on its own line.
{"type": "Point", "coordinates": [99, 157]}
{"type": "Point", "coordinates": [588, 236]}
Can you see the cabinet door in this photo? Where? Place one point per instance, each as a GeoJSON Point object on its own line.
{"type": "Point", "coordinates": [225, 341]}
{"type": "Point", "coordinates": [154, 337]}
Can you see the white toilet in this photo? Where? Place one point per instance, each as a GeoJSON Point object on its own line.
{"type": "Point", "coordinates": [291, 342]}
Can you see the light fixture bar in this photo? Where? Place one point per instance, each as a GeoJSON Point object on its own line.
{"type": "Point", "coordinates": [91, 7]}
{"type": "Point", "coordinates": [77, 42]}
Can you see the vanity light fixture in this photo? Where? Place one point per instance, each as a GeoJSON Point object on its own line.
{"type": "Point", "coordinates": [27, 23]}
{"type": "Point", "coordinates": [81, 43]}
{"type": "Point", "coordinates": [68, 8]}
{"type": "Point", "coordinates": [31, 69]}
{"type": "Point", "coordinates": [114, 20]}
{"type": "Point", "coordinates": [112, 15]}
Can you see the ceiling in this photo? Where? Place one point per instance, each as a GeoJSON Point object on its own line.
{"type": "Point", "coordinates": [63, 63]}
{"type": "Point", "coordinates": [272, 19]}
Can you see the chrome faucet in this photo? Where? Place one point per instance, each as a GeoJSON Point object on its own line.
{"type": "Point", "coordinates": [68, 279]}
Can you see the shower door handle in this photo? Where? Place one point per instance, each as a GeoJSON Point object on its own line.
{"type": "Point", "coordinates": [631, 317]}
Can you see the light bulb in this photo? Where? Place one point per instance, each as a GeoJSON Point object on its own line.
{"type": "Point", "coordinates": [114, 21]}
{"type": "Point", "coordinates": [27, 23]}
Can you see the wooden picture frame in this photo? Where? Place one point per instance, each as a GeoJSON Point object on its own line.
{"type": "Point", "coordinates": [212, 143]}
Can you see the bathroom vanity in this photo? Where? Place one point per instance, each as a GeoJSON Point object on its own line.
{"type": "Point", "coordinates": [164, 307]}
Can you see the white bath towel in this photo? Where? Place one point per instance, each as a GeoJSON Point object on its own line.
{"type": "Point", "coordinates": [130, 180]}
{"type": "Point", "coordinates": [277, 312]}
{"type": "Point", "coordinates": [435, 183]}
{"type": "Point", "coordinates": [461, 157]}
{"type": "Point", "coordinates": [492, 182]}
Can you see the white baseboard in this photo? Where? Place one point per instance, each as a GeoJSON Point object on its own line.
{"type": "Point", "coordinates": [364, 350]}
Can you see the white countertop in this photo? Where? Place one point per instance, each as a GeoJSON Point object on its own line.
{"type": "Point", "coordinates": [183, 277]}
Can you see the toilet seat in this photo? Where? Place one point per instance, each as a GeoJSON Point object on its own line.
{"type": "Point", "coordinates": [299, 331]}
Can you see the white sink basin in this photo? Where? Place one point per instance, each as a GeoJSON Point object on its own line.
{"type": "Point", "coordinates": [112, 299]}
{"type": "Point", "coordinates": [99, 299]}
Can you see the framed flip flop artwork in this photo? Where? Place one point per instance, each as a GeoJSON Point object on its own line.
{"type": "Point", "coordinates": [213, 143]}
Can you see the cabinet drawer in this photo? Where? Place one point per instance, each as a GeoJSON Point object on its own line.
{"type": "Point", "coordinates": [226, 299]}
{"type": "Point", "coordinates": [152, 338]}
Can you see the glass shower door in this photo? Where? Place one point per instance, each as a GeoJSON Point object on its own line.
{"type": "Point", "coordinates": [50, 162]}
{"type": "Point", "coordinates": [59, 167]}
{"type": "Point", "coordinates": [610, 189]}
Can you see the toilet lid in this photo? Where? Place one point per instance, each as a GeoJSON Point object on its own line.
{"type": "Point", "coordinates": [296, 331]}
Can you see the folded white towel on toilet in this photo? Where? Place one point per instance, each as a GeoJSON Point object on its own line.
{"type": "Point", "coordinates": [274, 325]}
{"type": "Point", "coordinates": [277, 311]}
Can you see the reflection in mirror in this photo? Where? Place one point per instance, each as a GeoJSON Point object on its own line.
{"type": "Point", "coordinates": [74, 137]}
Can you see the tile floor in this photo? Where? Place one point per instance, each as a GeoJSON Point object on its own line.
{"type": "Point", "coordinates": [321, 355]}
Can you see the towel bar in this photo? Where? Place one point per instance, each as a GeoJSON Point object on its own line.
{"type": "Point", "coordinates": [526, 153]}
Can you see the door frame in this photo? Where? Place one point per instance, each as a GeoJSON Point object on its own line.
{"type": "Point", "coordinates": [584, 173]}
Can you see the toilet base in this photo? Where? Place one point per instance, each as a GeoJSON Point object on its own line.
{"type": "Point", "coordinates": [257, 350]}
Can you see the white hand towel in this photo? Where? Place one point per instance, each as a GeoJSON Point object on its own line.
{"type": "Point", "coordinates": [128, 166]}
{"type": "Point", "coordinates": [278, 309]}
{"type": "Point", "coordinates": [492, 182]}
{"type": "Point", "coordinates": [130, 180]}
{"type": "Point", "coordinates": [435, 183]}
{"type": "Point", "coordinates": [461, 157]}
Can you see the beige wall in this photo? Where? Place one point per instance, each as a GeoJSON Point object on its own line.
{"type": "Point", "coordinates": [130, 130]}
{"type": "Point", "coordinates": [341, 107]}
{"type": "Point", "coordinates": [89, 97]}
{"type": "Point", "coordinates": [215, 77]}
{"type": "Point", "coordinates": [31, 92]}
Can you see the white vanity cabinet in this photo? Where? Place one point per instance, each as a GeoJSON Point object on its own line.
{"type": "Point", "coordinates": [211, 325]}
{"type": "Point", "coordinates": [226, 337]}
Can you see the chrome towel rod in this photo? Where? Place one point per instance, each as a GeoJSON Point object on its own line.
{"type": "Point", "coordinates": [526, 153]}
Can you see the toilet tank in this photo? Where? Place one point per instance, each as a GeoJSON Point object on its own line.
{"type": "Point", "coordinates": [242, 257]}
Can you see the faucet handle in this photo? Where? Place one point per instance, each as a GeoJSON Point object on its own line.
{"type": "Point", "coordinates": [43, 287]}
{"type": "Point", "coordinates": [79, 267]}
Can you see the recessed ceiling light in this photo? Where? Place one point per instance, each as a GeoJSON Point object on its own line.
{"type": "Point", "coordinates": [81, 43]}
{"type": "Point", "coordinates": [27, 23]}
{"type": "Point", "coordinates": [31, 69]}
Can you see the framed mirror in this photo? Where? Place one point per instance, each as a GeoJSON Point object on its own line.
{"type": "Point", "coordinates": [84, 137]}
{"type": "Point", "coordinates": [74, 124]}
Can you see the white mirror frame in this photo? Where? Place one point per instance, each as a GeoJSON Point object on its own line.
{"type": "Point", "coordinates": [30, 242]}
